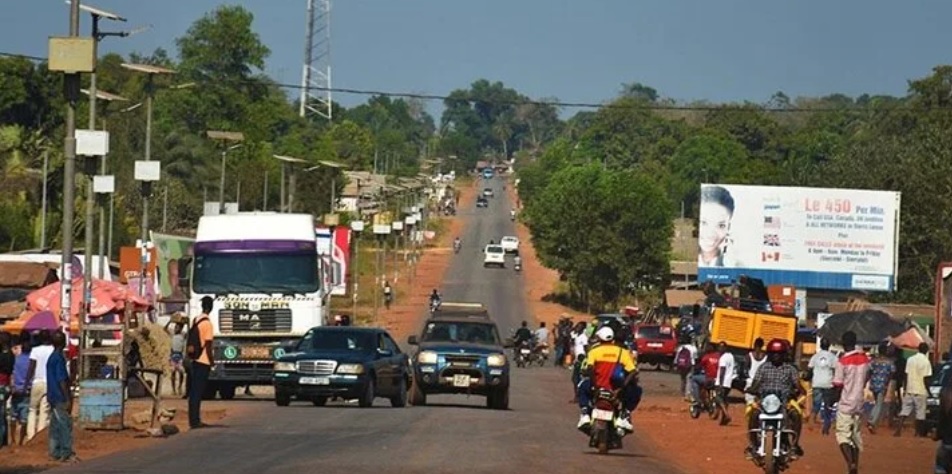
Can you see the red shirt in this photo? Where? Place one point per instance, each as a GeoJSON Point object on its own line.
{"type": "Point", "coordinates": [709, 364]}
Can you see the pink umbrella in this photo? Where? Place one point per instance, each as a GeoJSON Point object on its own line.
{"type": "Point", "coordinates": [40, 321]}
{"type": "Point", "coordinates": [910, 339]}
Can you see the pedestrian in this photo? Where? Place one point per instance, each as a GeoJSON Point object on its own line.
{"type": "Point", "coordinates": [7, 360]}
{"type": "Point", "coordinates": [20, 402]}
{"type": "Point", "coordinates": [850, 374]}
{"type": "Point", "coordinates": [881, 371]}
{"type": "Point", "coordinates": [579, 350]}
{"type": "Point", "coordinates": [821, 366]}
{"type": "Point", "coordinates": [725, 380]}
{"type": "Point", "coordinates": [60, 397]}
{"type": "Point", "coordinates": [199, 351]}
{"type": "Point", "coordinates": [755, 359]}
{"type": "Point", "coordinates": [387, 294]}
{"type": "Point", "coordinates": [918, 371]}
{"type": "Point", "coordinates": [177, 356]}
{"type": "Point", "coordinates": [685, 360]}
{"type": "Point", "coordinates": [39, 417]}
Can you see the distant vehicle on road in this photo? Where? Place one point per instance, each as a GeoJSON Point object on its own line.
{"type": "Point", "coordinates": [510, 244]}
{"type": "Point", "coordinates": [482, 202]}
{"type": "Point", "coordinates": [460, 355]}
{"type": "Point", "coordinates": [656, 344]}
{"type": "Point", "coordinates": [488, 173]}
{"type": "Point", "coordinates": [343, 362]}
{"type": "Point", "coordinates": [488, 192]}
{"type": "Point", "coordinates": [494, 255]}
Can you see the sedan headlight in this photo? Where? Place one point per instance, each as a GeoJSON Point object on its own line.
{"type": "Point", "coordinates": [496, 360]}
{"type": "Point", "coordinates": [285, 367]}
{"type": "Point", "coordinates": [427, 357]}
{"type": "Point", "coordinates": [771, 404]}
{"type": "Point", "coordinates": [353, 369]}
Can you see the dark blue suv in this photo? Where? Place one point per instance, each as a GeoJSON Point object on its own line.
{"type": "Point", "coordinates": [462, 355]}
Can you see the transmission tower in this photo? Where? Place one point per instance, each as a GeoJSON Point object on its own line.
{"type": "Point", "coordinates": [316, 76]}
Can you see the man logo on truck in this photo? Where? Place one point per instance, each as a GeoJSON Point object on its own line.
{"type": "Point", "coordinates": [253, 320]}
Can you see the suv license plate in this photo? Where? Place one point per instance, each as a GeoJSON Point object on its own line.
{"type": "Point", "coordinates": [315, 381]}
{"type": "Point", "coordinates": [604, 415]}
{"type": "Point", "coordinates": [461, 380]}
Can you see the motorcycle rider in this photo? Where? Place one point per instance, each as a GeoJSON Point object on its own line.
{"type": "Point", "coordinates": [512, 214]}
{"type": "Point", "coordinates": [541, 337]}
{"type": "Point", "coordinates": [600, 371]}
{"type": "Point", "coordinates": [776, 376]}
{"type": "Point", "coordinates": [705, 375]}
{"type": "Point", "coordinates": [517, 262]}
{"type": "Point", "coordinates": [522, 334]}
{"type": "Point", "coordinates": [457, 244]}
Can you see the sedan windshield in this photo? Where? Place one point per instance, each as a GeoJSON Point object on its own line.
{"type": "Point", "coordinates": [446, 331]}
{"type": "Point", "coordinates": [337, 341]}
{"type": "Point", "coordinates": [225, 273]}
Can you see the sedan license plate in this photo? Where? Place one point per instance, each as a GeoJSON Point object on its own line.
{"type": "Point", "coordinates": [461, 380]}
{"type": "Point", "coordinates": [315, 381]}
{"type": "Point", "coordinates": [256, 352]}
{"type": "Point", "coordinates": [604, 415]}
{"type": "Point", "coordinates": [655, 344]}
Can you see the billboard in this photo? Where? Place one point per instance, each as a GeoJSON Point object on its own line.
{"type": "Point", "coordinates": [843, 239]}
{"type": "Point", "coordinates": [173, 255]}
{"type": "Point", "coordinates": [334, 251]}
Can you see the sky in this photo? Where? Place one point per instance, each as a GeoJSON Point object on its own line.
{"type": "Point", "coordinates": [577, 51]}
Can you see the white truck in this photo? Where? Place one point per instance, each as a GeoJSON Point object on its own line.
{"type": "Point", "coordinates": [263, 271]}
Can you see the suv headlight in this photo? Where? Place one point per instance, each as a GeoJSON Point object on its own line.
{"type": "Point", "coordinates": [427, 357]}
{"type": "Point", "coordinates": [496, 360]}
{"type": "Point", "coordinates": [771, 404]}
{"type": "Point", "coordinates": [353, 369]}
{"type": "Point", "coordinates": [285, 367]}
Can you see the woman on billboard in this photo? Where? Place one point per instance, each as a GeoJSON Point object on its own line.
{"type": "Point", "coordinates": [713, 238]}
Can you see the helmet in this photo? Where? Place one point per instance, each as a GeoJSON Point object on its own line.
{"type": "Point", "coordinates": [605, 334]}
{"type": "Point", "coordinates": [777, 346]}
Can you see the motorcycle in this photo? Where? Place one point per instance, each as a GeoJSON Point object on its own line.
{"type": "Point", "coordinates": [603, 435]}
{"type": "Point", "coordinates": [523, 354]}
{"type": "Point", "coordinates": [775, 440]}
{"type": "Point", "coordinates": [708, 403]}
{"type": "Point", "coordinates": [517, 266]}
{"type": "Point", "coordinates": [456, 247]}
{"type": "Point", "coordinates": [434, 306]}
{"type": "Point", "coordinates": [540, 355]}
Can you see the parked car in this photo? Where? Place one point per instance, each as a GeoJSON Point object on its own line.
{"type": "Point", "coordinates": [482, 202]}
{"type": "Point", "coordinates": [940, 374]}
{"type": "Point", "coordinates": [488, 192]}
{"type": "Point", "coordinates": [494, 255]}
{"type": "Point", "coordinates": [655, 344]}
{"type": "Point", "coordinates": [510, 244]}
{"type": "Point", "coordinates": [344, 362]}
{"type": "Point", "coordinates": [461, 355]}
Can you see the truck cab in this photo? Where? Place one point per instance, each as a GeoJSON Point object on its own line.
{"type": "Point", "coordinates": [262, 270]}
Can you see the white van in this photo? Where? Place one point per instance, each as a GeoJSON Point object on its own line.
{"type": "Point", "coordinates": [494, 255]}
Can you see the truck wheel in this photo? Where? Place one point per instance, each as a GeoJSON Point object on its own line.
{"type": "Point", "coordinates": [282, 399]}
{"type": "Point", "coordinates": [227, 391]}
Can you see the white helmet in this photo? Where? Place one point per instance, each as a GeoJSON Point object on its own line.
{"type": "Point", "coordinates": [605, 334]}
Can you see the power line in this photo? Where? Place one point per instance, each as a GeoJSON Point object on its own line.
{"type": "Point", "coordinates": [748, 107]}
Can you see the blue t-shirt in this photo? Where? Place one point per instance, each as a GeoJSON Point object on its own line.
{"type": "Point", "coordinates": [21, 368]}
{"type": "Point", "coordinates": [56, 373]}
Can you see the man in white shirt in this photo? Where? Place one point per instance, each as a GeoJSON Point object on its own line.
{"type": "Point", "coordinates": [725, 378]}
{"type": "Point", "coordinates": [541, 335]}
{"type": "Point", "coordinates": [39, 414]}
{"type": "Point", "coordinates": [918, 371]}
{"type": "Point", "coordinates": [822, 365]}
{"type": "Point", "coordinates": [579, 349]}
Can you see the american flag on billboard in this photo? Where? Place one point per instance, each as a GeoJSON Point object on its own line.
{"type": "Point", "coordinates": [772, 240]}
{"type": "Point", "coordinates": [769, 256]}
{"type": "Point", "coordinates": [771, 222]}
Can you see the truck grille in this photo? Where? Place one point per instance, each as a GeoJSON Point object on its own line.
{"type": "Point", "coordinates": [265, 320]}
{"type": "Point", "coordinates": [316, 367]}
{"type": "Point", "coordinates": [462, 361]}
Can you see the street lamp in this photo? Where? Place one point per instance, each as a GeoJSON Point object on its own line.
{"type": "Point", "coordinates": [287, 161]}
{"type": "Point", "coordinates": [225, 137]}
{"type": "Point", "coordinates": [146, 172]}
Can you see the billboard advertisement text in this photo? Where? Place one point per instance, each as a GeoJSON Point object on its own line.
{"type": "Point", "coordinates": [807, 237]}
{"type": "Point", "coordinates": [334, 251]}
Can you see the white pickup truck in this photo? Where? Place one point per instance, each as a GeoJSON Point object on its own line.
{"type": "Point", "coordinates": [494, 255]}
{"type": "Point", "coordinates": [510, 244]}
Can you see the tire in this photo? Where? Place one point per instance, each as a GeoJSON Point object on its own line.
{"type": "Point", "coordinates": [282, 399]}
{"type": "Point", "coordinates": [367, 399]}
{"type": "Point", "coordinates": [601, 437]}
{"type": "Point", "coordinates": [227, 391]}
{"type": "Point", "coordinates": [770, 464]}
{"type": "Point", "coordinates": [498, 399]}
{"type": "Point", "coordinates": [319, 401]}
{"type": "Point", "coordinates": [400, 399]}
{"type": "Point", "coordinates": [695, 411]}
{"type": "Point", "coordinates": [417, 396]}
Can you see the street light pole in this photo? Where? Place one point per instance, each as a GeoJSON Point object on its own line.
{"type": "Point", "coordinates": [221, 183]}
{"type": "Point", "coordinates": [146, 185]}
{"type": "Point", "coordinates": [69, 178]}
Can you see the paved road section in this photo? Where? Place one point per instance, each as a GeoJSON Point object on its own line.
{"type": "Point", "coordinates": [451, 434]}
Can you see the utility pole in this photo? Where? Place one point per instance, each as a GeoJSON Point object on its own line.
{"type": "Point", "coordinates": [69, 178]}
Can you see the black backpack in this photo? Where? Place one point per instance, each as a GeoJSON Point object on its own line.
{"type": "Point", "coordinates": [193, 342]}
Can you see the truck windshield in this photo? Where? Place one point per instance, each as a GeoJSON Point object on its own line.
{"type": "Point", "coordinates": [224, 273]}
